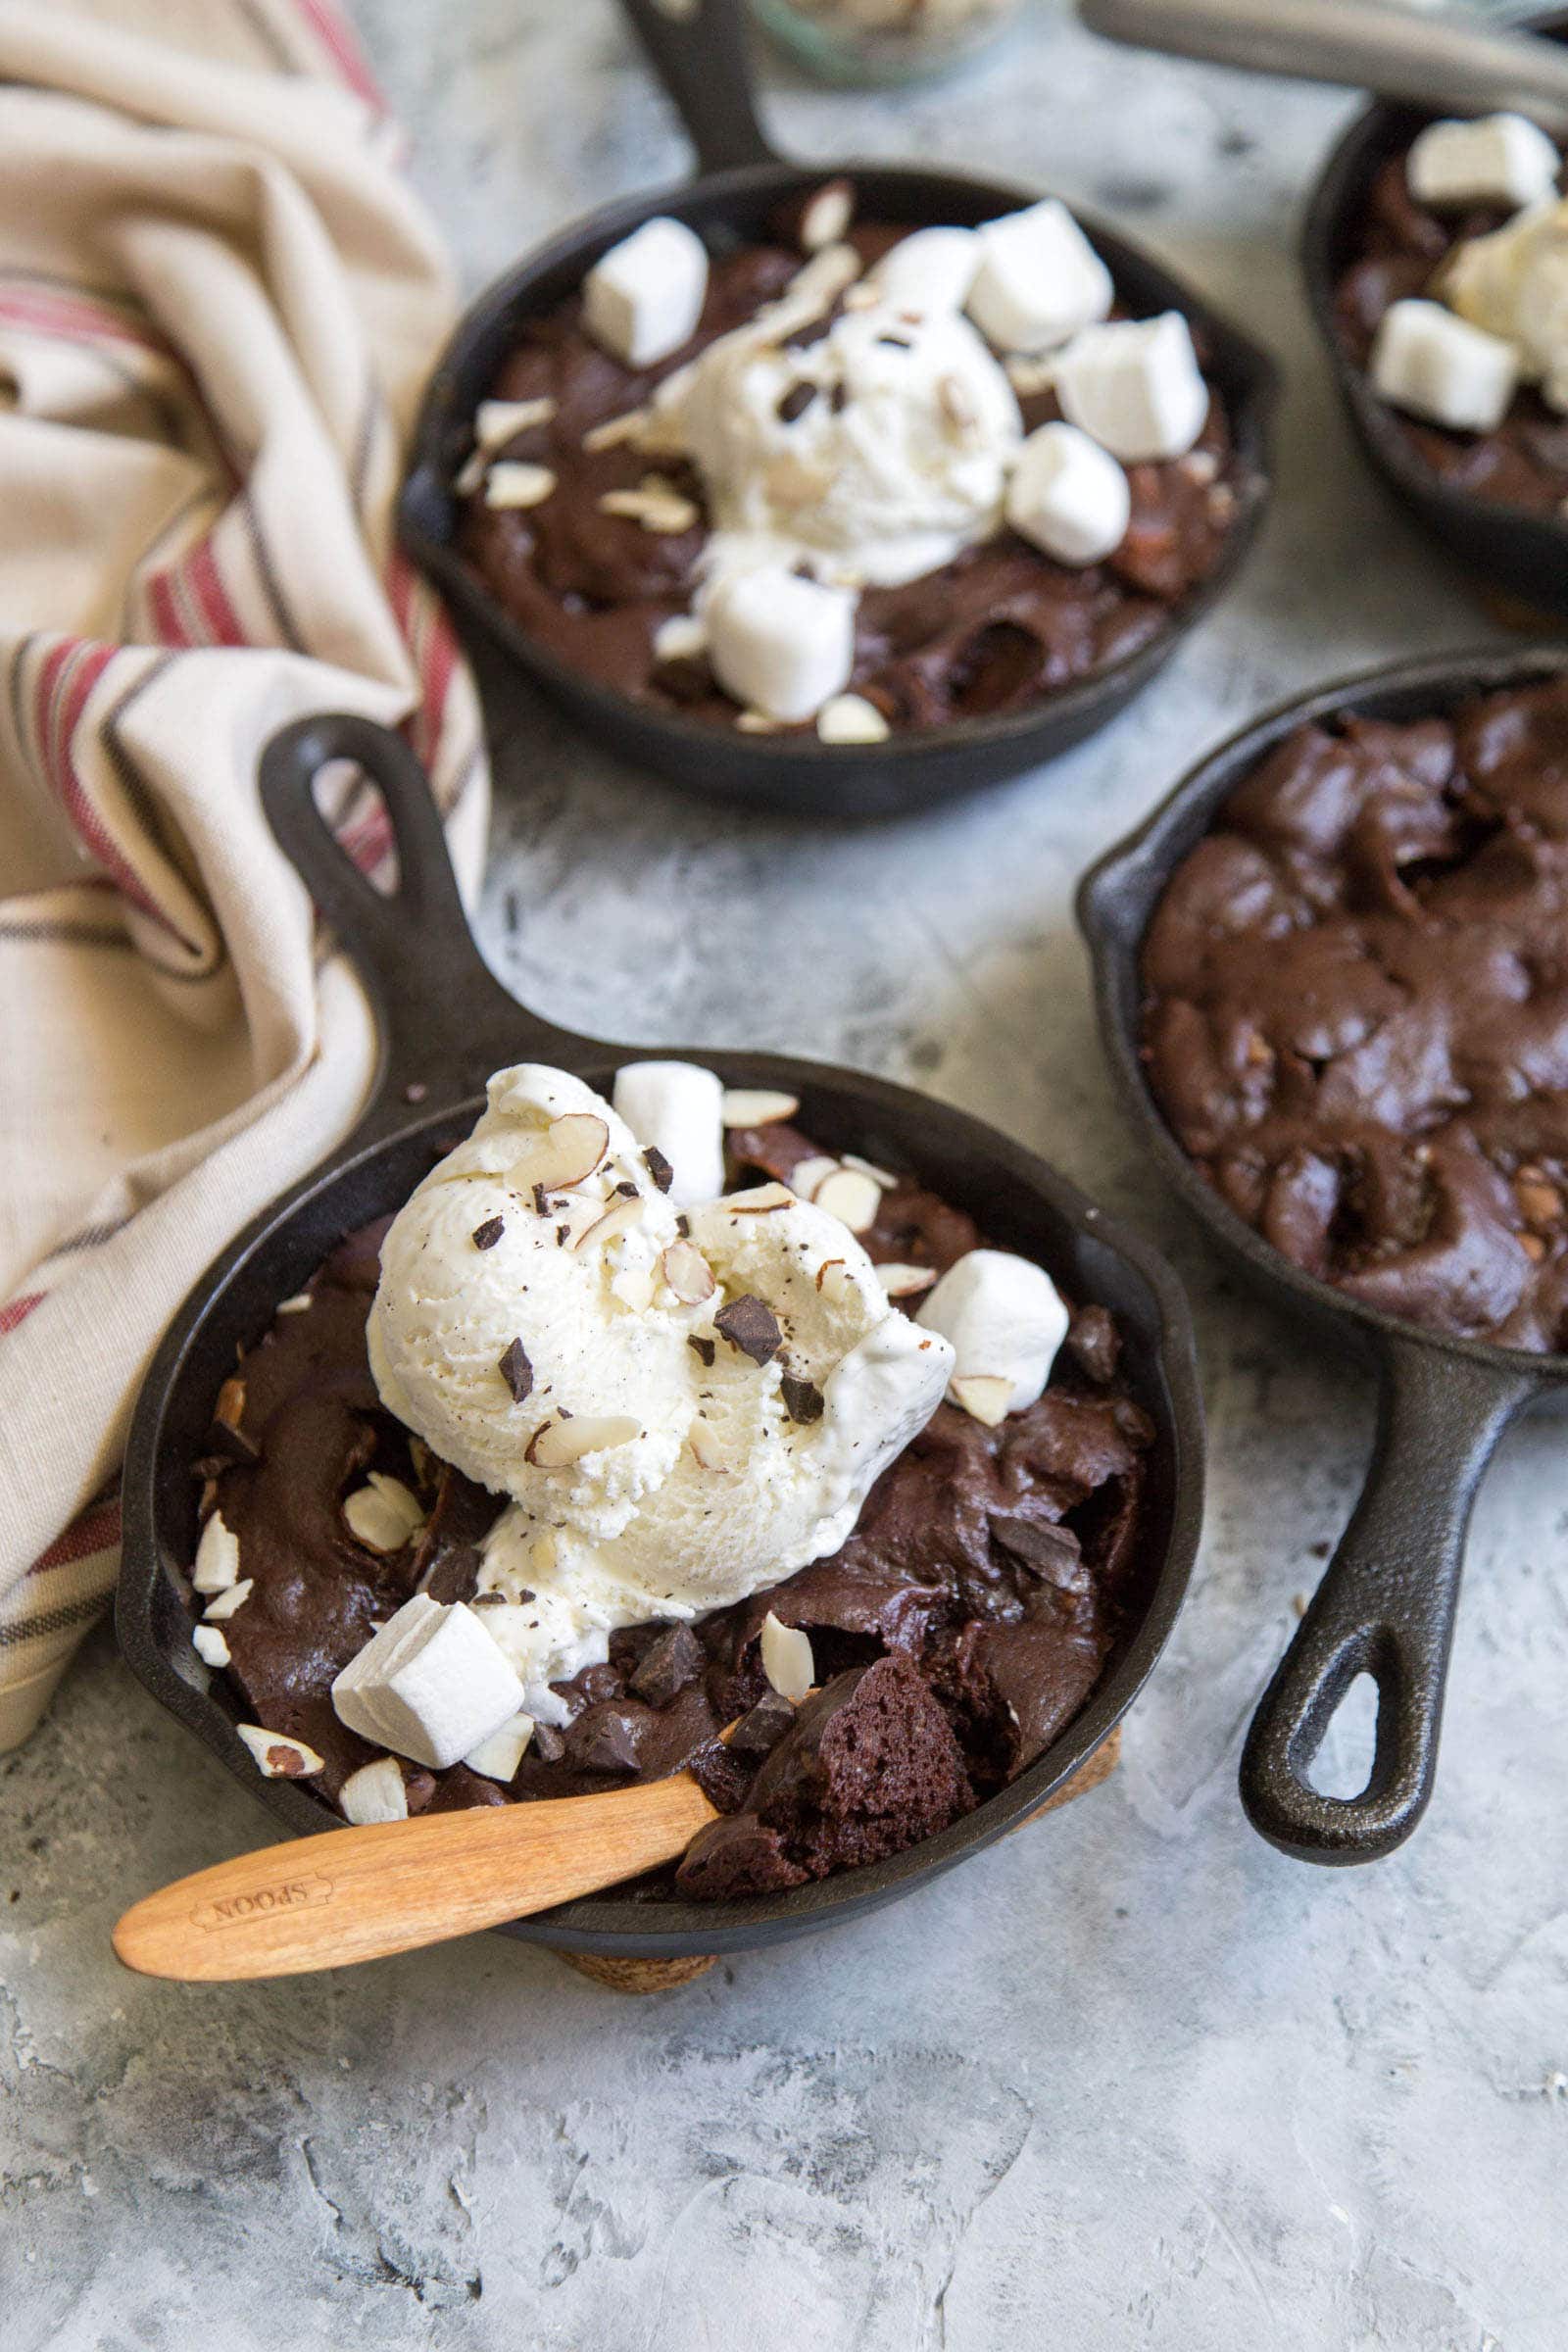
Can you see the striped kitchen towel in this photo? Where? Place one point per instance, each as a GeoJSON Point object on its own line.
{"type": "Point", "coordinates": [217, 304]}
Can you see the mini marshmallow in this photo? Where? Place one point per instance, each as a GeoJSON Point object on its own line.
{"type": "Point", "coordinates": [431, 1685]}
{"type": "Point", "coordinates": [1004, 1319]}
{"type": "Point", "coordinates": [930, 272]}
{"type": "Point", "coordinates": [1436, 365]}
{"type": "Point", "coordinates": [375, 1792]}
{"type": "Point", "coordinates": [498, 1757]}
{"type": "Point", "coordinates": [216, 1557]}
{"type": "Point", "coordinates": [1135, 386]}
{"type": "Point", "coordinates": [1039, 279]}
{"type": "Point", "coordinates": [1068, 496]}
{"type": "Point", "coordinates": [643, 299]}
{"type": "Point", "coordinates": [778, 643]}
{"type": "Point", "coordinates": [678, 1107]}
{"type": "Point", "coordinates": [1501, 158]}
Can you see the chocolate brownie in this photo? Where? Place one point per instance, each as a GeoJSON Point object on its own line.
{"type": "Point", "coordinates": [1000, 627]}
{"type": "Point", "coordinates": [1356, 1011]}
{"type": "Point", "coordinates": [962, 1626]}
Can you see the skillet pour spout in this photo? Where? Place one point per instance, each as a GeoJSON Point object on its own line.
{"type": "Point", "coordinates": [1386, 1603]}
{"type": "Point", "coordinates": [446, 1024]}
{"type": "Point", "coordinates": [700, 52]}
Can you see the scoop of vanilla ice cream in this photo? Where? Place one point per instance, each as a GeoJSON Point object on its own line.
{"type": "Point", "coordinates": [577, 1285]}
{"type": "Point", "coordinates": [871, 456]}
{"type": "Point", "coordinates": [711, 1470]}
{"type": "Point", "coordinates": [761, 1487]}
{"type": "Point", "coordinates": [1514, 283]}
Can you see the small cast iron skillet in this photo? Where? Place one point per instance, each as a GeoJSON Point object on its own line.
{"type": "Point", "coordinates": [703, 64]}
{"type": "Point", "coordinates": [1523, 552]}
{"type": "Point", "coordinates": [445, 1024]}
{"type": "Point", "coordinates": [1386, 1603]}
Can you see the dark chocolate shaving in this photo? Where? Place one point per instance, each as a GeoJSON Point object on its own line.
{"type": "Point", "coordinates": [795, 402]}
{"type": "Point", "coordinates": [658, 1167]}
{"type": "Point", "coordinates": [750, 1324]}
{"type": "Point", "coordinates": [516, 1371]}
{"type": "Point", "coordinates": [486, 1236]}
{"type": "Point", "coordinates": [668, 1663]}
{"type": "Point", "coordinates": [803, 1398]}
{"type": "Point", "coordinates": [703, 1349]}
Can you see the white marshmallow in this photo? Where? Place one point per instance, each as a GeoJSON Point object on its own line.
{"type": "Point", "coordinates": [216, 1557]}
{"type": "Point", "coordinates": [375, 1792]}
{"type": "Point", "coordinates": [779, 644]}
{"type": "Point", "coordinates": [1004, 1319]}
{"type": "Point", "coordinates": [930, 272]}
{"type": "Point", "coordinates": [643, 299]}
{"type": "Point", "coordinates": [1039, 279]}
{"type": "Point", "coordinates": [1436, 365]}
{"type": "Point", "coordinates": [210, 1645]}
{"type": "Point", "coordinates": [1501, 158]}
{"type": "Point", "coordinates": [1135, 386]}
{"type": "Point", "coordinates": [1068, 496]}
{"type": "Point", "coordinates": [430, 1685]}
{"type": "Point", "coordinates": [498, 1757]}
{"type": "Point", "coordinates": [679, 1109]}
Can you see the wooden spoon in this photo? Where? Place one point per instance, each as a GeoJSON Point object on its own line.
{"type": "Point", "coordinates": [359, 1894]}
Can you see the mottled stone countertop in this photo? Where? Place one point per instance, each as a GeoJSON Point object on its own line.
{"type": "Point", "coordinates": [1130, 2078]}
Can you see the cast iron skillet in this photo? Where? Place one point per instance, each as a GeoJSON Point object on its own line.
{"type": "Point", "coordinates": [445, 1025]}
{"type": "Point", "coordinates": [1386, 1603]}
{"type": "Point", "coordinates": [703, 64]}
{"type": "Point", "coordinates": [1523, 552]}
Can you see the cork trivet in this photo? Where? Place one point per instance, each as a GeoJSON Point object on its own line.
{"type": "Point", "coordinates": [664, 1976]}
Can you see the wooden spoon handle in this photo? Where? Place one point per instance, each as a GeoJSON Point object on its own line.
{"type": "Point", "coordinates": [358, 1893]}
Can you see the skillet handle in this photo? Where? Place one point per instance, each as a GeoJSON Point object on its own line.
{"type": "Point", "coordinates": [445, 1023]}
{"type": "Point", "coordinates": [701, 51]}
{"type": "Point", "coordinates": [1385, 1607]}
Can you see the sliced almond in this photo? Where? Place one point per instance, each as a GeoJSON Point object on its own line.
{"type": "Point", "coordinates": [559, 1444]}
{"type": "Point", "coordinates": [706, 1452]}
{"type": "Point", "coordinates": [869, 1168]}
{"type": "Point", "coordinates": [300, 1304]}
{"type": "Point", "coordinates": [680, 638]}
{"type": "Point", "coordinates": [825, 214]}
{"type": "Point", "coordinates": [634, 1287]}
{"type": "Point", "coordinates": [229, 1603]}
{"type": "Point", "coordinates": [210, 1645]}
{"type": "Point", "coordinates": [808, 1174]}
{"type": "Point", "coordinates": [850, 1196]}
{"type": "Point", "coordinates": [498, 1757]}
{"type": "Point", "coordinates": [514, 485]}
{"type": "Point", "coordinates": [757, 1106]}
{"type": "Point", "coordinates": [663, 511]}
{"type": "Point", "coordinates": [616, 430]}
{"type": "Point", "coordinates": [471, 473]}
{"type": "Point", "coordinates": [956, 406]}
{"type": "Point", "coordinates": [757, 722]}
{"type": "Point", "coordinates": [230, 1405]}
{"type": "Point", "coordinates": [787, 1658]}
{"type": "Point", "coordinates": [375, 1792]}
{"type": "Point", "coordinates": [906, 1282]}
{"type": "Point", "coordinates": [1029, 376]}
{"type": "Point", "coordinates": [279, 1758]}
{"type": "Point", "coordinates": [851, 719]}
{"type": "Point", "coordinates": [1540, 1203]}
{"type": "Point", "coordinates": [545, 1553]}
{"type": "Point", "coordinates": [1198, 466]}
{"type": "Point", "coordinates": [384, 1514]}
{"type": "Point", "coordinates": [618, 1218]}
{"type": "Point", "coordinates": [217, 1568]}
{"type": "Point", "coordinates": [567, 1153]}
{"type": "Point", "coordinates": [824, 277]}
{"type": "Point", "coordinates": [983, 1395]}
{"type": "Point", "coordinates": [496, 422]}
{"type": "Point", "coordinates": [688, 1273]}
{"type": "Point", "coordinates": [761, 1200]}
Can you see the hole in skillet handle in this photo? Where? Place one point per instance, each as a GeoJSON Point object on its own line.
{"type": "Point", "coordinates": [444, 1021]}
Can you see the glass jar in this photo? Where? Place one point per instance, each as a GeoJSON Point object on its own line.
{"type": "Point", "coordinates": [884, 41]}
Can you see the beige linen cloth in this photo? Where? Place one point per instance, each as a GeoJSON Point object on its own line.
{"type": "Point", "coordinates": [218, 303]}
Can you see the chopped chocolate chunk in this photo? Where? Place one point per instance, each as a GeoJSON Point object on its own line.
{"type": "Point", "coordinates": [760, 1730]}
{"type": "Point", "coordinates": [1094, 1342]}
{"type": "Point", "coordinates": [486, 1236]}
{"type": "Point", "coordinates": [516, 1371]}
{"type": "Point", "coordinates": [723, 1779]}
{"type": "Point", "coordinates": [803, 1398]}
{"type": "Point", "coordinates": [703, 1349]}
{"type": "Point", "coordinates": [795, 402]}
{"type": "Point", "coordinates": [750, 1324]}
{"type": "Point", "coordinates": [628, 1190]}
{"type": "Point", "coordinates": [671, 1661]}
{"type": "Point", "coordinates": [658, 1167]}
{"type": "Point", "coordinates": [548, 1744]}
{"type": "Point", "coordinates": [541, 1200]}
{"type": "Point", "coordinates": [1051, 1550]}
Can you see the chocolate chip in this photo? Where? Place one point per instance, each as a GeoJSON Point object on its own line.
{"type": "Point", "coordinates": [668, 1663]}
{"type": "Point", "coordinates": [703, 1350]}
{"type": "Point", "coordinates": [760, 1732]}
{"type": "Point", "coordinates": [803, 1398]}
{"type": "Point", "coordinates": [838, 400]}
{"type": "Point", "coordinates": [896, 342]}
{"type": "Point", "coordinates": [516, 1371]}
{"type": "Point", "coordinates": [1045, 1548]}
{"type": "Point", "coordinates": [604, 1738]}
{"type": "Point", "coordinates": [750, 1324]}
{"type": "Point", "coordinates": [795, 402]}
{"type": "Point", "coordinates": [627, 1190]}
{"type": "Point", "coordinates": [658, 1167]}
{"type": "Point", "coordinates": [486, 1236]}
